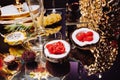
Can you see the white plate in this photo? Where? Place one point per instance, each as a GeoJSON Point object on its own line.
{"type": "Point", "coordinates": [9, 13]}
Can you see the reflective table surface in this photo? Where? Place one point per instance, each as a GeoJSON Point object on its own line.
{"type": "Point", "coordinates": [75, 66]}
{"type": "Point", "coordinates": [102, 61]}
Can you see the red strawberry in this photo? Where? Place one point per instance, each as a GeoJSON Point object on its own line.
{"type": "Point", "coordinates": [60, 49]}
{"type": "Point", "coordinates": [89, 33]}
{"type": "Point", "coordinates": [56, 48]}
{"type": "Point", "coordinates": [50, 48]}
{"type": "Point", "coordinates": [88, 38]}
{"type": "Point", "coordinates": [80, 36]}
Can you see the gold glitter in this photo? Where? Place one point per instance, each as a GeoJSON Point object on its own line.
{"type": "Point", "coordinates": [104, 53]}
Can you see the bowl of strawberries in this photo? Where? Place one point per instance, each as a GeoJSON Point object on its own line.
{"type": "Point", "coordinates": [56, 50]}
{"type": "Point", "coordinates": [85, 36]}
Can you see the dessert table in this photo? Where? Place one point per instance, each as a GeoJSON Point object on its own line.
{"type": "Point", "coordinates": [76, 71]}
{"type": "Point", "coordinates": [100, 61]}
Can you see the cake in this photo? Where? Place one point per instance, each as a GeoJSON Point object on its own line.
{"type": "Point", "coordinates": [56, 50]}
{"type": "Point", "coordinates": [28, 56]}
{"type": "Point", "coordinates": [12, 63]}
{"type": "Point", "coordinates": [85, 36]}
{"type": "Point", "coordinates": [13, 66]}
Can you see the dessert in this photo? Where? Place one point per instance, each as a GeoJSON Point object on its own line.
{"type": "Point", "coordinates": [56, 50]}
{"type": "Point", "coordinates": [15, 38]}
{"type": "Point", "coordinates": [51, 19]}
{"type": "Point", "coordinates": [28, 56]}
{"type": "Point", "coordinates": [12, 63]}
{"type": "Point", "coordinates": [8, 59]}
{"type": "Point", "coordinates": [85, 36]}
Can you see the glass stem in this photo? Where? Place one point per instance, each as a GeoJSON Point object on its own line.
{"type": "Point", "coordinates": [40, 26]}
{"type": "Point", "coordinates": [38, 19]}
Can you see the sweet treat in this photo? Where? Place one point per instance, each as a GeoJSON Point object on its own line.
{"type": "Point", "coordinates": [16, 51]}
{"type": "Point", "coordinates": [12, 63]}
{"type": "Point", "coordinates": [56, 50]}
{"type": "Point", "coordinates": [9, 59]}
{"type": "Point", "coordinates": [52, 19]}
{"type": "Point", "coordinates": [15, 38]}
{"type": "Point", "coordinates": [28, 56]}
{"type": "Point", "coordinates": [85, 36]}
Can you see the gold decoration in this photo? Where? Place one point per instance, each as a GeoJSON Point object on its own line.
{"type": "Point", "coordinates": [51, 19]}
{"type": "Point", "coordinates": [104, 52]}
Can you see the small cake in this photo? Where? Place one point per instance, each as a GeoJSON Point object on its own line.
{"type": "Point", "coordinates": [11, 63]}
{"type": "Point", "coordinates": [13, 66]}
{"type": "Point", "coordinates": [56, 50]}
{"type": "Point", "coordinates": [28, 56]}
{"type": "Point", "coordinates": [85, 36]}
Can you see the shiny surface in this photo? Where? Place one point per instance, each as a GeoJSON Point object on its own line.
{"type": "Point", "coordinates": [105, 52]}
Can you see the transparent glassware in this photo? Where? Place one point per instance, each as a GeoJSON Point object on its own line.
{"type": "Point", "coordinates": [37, 18]}
{"type": "Point", "coordinates": [34, 44]}
{"type": "Point", "coordinates": [37, 39]}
